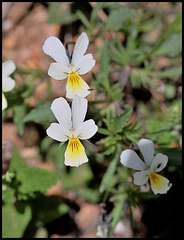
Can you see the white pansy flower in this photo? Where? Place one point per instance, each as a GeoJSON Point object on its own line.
{"type": "Point", "coordinates": [70, 66]}
{"type": "Point", "coordinates": [148, 168]}
{"type": "Point", "coordinates": [8, 67]}
{"type": "Point", "coordinates": [72, 127]}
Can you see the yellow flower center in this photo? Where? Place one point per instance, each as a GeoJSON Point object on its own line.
{"type": "Point", "coordinates": [75, 153]}
{"type": "Point", "coordinates": [159, 184]}
{"type": "Point", "coordinates": [74, 80]}
{"type": "Point", "coordinates": [154, 178]}
{"type": "Point", "coordinates": [76, 86]}
{"type": "Point", "coordinates": [74, 145]}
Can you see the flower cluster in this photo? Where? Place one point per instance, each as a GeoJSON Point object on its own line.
{"type": "Point", "coordinates": [71, 124]}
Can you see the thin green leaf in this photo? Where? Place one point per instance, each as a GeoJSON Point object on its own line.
{"type": "Point", "coordinates": [107, 178]}
{"type": "Point", "coordinates": [19, 111]}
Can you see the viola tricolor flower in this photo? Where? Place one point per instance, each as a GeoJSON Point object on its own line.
{"type": "Point", "coordinates": [71, 66]}
{"type": "Point", "coordinates": [72, 127]}
{"type": "Point", "coordinates": [148, 168]}
{"type": "Point", "coordinates": [8, 67]}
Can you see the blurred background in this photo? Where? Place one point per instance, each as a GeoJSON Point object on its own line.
{"type": "Point", "coordinates": [137, 93]}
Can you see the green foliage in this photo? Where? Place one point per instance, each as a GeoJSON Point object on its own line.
{"type": "Point", "coordinates": [75, 179]}
{"type": "Point", "coordinates": [31, 180]}
{"type": "Point", "coordinates": [107, 182]}
{"type": "Point", "coordinates": [105, 60]}
{"type": "Point", "coordinates": [16, 97]}
{"type": "Point", "coordinates": [40, 114]}
{"type": "Point", "coordinates": [117, 213]}
{"type": "Point", "coordinates": [47, 209]}
{"type": "Point", "coordinates": [171, 46]}
{"type": "Point", "coordinates": [90, 195]}
{"type": "Point", "coordinates": [17, 161]}
{"type": "Point", "coordinates": [58, 14]}
{"type": "Point", "coordinates": [21, 184]}
{"type": "Point", "coordinates": [119, 17]}
{"type": "Point", "coordinates": [119, 130]}
{"type": "Point", "coordinates": [165, 130]}
{"type": "Point", "coordinates": [15, 220]}
{"type": "Point", "coordinates": [84, 20]}
{"type": "Point", "coordinates": [19, 113]}
{"type": "Point", "coordinates": [103, 78]}
{"type": "Point", "coordinates": [169, 73]}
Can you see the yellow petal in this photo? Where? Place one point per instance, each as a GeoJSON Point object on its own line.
{"type": "Point", "coordinates": [76, 86]}
{"type": "Point", "coordinates": [75, 153]}
{"type": "Point", "coordinates": [159, 184]}
{"type": "Point", "coordinates": [4, 102]}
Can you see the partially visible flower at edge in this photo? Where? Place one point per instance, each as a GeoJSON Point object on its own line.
{"type": "Point", "coordinates": [72, 127]}
{"type": "Point", "coordinates": [148, 168]}
{"type": "Point", "coordinates": [8, 67]}
{"type": "Point", "coordinates": [70, 66]}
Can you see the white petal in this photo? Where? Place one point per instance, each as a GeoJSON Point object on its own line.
{"type": "Point", "coordinates": [85, 64]}
{"type": "Point", "coordinates": [8, 84]}
{"type": "Point", "coordinates": [79, 109]}
{"type": "Point", "coordinates": [140, 178]}
{"type": "Point", "coordinates": [76, 86]}
{"type": "Point", "coordinates": [55, 49]}
{"type": "Point", "coordinates": [86, 130]}
{"type": "Point", "coordinates": [58, 71]}
{"type": "Point", "coordinates": [80, 48]}
{"type": "Point", "coordinates": [131, 160]}
{"type": "Point", "coordinates": [58, 132]}
{"type": "Point", "coordinates": [8, 67]}
{"type": "Point", "coordinates": [159, 162]}
{"type": "Point", "coordinates": [4, 102]}
{"type": "Point", "coordinates": [62, 112]}
{"type": "Point", "coordinates": [147, 149]}
{"type": "Point", "coordinates": [75, 153]}
{"type": "Point", "coordinates": [159, 184]}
